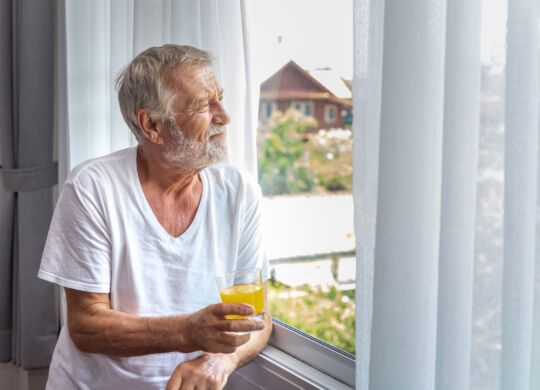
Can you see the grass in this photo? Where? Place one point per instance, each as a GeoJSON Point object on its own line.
{"type": "Point", "coordinates": [328, 315]}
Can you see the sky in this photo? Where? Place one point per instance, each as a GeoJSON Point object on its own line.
{"type": "Point", "coordinates": [319, 33]}
{"type": "Point", "coordinates": [494, 14]}
{"type": "Point", "coordinates": [315, 33]}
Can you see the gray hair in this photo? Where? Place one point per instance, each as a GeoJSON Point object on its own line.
{"type": "Point", "coordinates": [145, 81]}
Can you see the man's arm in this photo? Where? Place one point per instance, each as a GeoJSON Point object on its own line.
{"type": "Point", "coordinates": [95, 328]}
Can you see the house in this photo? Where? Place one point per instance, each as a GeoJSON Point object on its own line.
{"type": "Point", "coordinates": [320, 94]}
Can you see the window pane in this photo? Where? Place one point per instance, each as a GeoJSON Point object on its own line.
{"type": "Point", "coordinates": [305, 164]}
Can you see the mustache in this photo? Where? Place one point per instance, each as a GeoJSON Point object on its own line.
{"type": "Point", "coordinates": [215, 129]}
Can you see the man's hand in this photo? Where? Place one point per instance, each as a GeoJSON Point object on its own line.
{"type": "Point", "coordinates": [210, 331]}
{"type": "Point", "coordinates": [207, 372]}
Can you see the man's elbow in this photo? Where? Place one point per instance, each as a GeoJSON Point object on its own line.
{"type": "Point", "coordinates": [80, 338]}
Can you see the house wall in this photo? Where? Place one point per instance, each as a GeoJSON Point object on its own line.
{"type": "Point", "coordinates": [319, 107]}
{"type": "Point", "coordinates": [319, 115]}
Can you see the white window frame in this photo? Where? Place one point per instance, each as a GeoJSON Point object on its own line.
{"type": "Point", "coordinates": [303, 105]}
{"type": "Point", "coordinates": [293, 360]}
{"type": "Point", "coordinates": [327, 116]}
{"type": "Point", "coordinates": [318, 354]}
{"type": "Point", "coordinates": [264, 109]}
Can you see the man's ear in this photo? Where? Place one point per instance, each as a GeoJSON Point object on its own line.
{"type": "Point", "coordinates": [149, 127]}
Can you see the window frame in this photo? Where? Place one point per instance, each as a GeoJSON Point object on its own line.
{"type": "Point", "coordinates": [327, 109]}
{"type": "Point", "coordinates": [325, 358]}
{"type": "Point", "coordinates": [265, 105]}
{"type": "Point", "coordinates": [304, 104]}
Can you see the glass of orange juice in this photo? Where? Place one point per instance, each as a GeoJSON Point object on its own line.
{"type": "Point", "coordinates": [242, 287]}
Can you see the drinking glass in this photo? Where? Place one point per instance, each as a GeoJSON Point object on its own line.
{"type": "Point", "coordinates": [244, 286]}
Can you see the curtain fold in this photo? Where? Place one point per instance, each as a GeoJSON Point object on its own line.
{"type": "Point", "coordinates": [368, 32]}
{"type": "Point", "coordinates": [27, 173]}
{"type": "Point", "coordinates": [447, 283]}
{"type": "Point", "coordinates": [103, 36]}
{"type": "Point", "coordinates": [458, 202]}
{"type": "Point", "coordinates": [410, 156]}
{"type": "Point", "coordinates": [521, 149]}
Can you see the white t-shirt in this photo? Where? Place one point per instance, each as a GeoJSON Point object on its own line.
{"type": "Point", "coordinates": [104, 238]}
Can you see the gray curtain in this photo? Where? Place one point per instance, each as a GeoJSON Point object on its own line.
{"type": "Point", "coordinates": [28, 312]}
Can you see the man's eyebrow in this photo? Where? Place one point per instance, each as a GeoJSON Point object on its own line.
{"type": "Point", "coordinates": [195, 101]}
{"type": "Point", "coordinates": [200, 100]}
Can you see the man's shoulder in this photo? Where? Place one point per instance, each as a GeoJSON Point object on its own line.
{"type": "Point", "coordinates": [95, 166]}
{"type": "Point", "coordinates": [101, 170]}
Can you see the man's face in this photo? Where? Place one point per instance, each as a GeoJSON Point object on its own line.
{"type": "Point", "coordinates": [196, 136]}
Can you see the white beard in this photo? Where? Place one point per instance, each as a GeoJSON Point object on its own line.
{"type": "Point", "coordinates": [189, 154]}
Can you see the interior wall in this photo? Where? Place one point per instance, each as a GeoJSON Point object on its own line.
{"type": "Point", "coordinates": [16, 378]}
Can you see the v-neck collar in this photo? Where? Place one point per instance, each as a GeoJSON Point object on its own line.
{"type": "Point", "coordinates": [149, 213]}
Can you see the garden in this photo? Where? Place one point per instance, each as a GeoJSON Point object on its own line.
{"type": "Point", "coordinates": [297, 158]}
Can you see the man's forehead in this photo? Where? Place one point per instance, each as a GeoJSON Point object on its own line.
{"type": "Point", "coordinates": [200, 79]}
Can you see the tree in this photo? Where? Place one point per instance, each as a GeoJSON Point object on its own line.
{"type": "Point", "coordinates": [282, 167]}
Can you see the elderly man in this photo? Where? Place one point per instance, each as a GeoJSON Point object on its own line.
{"type": "Point", "coordinates": [138, 237]}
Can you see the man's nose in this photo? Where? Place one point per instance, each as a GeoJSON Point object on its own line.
{"type": "Point", "coordinates": [220, 115]}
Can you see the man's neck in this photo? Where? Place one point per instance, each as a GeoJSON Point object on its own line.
{"type": "Point", "coordinates": [158, 174]}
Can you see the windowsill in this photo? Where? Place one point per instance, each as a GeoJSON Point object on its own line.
{"type": "Point", "coordinates": [274, 369]}
{"type": "Point", "coordinates": [294, 360]}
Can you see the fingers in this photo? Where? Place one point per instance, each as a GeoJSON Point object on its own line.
{"type": "Point", "coordinates": [234, 339]}
{"type": "Point", "coordinates": [211, 332]}
{"type": "Point", "coordinates": [246, 325]}
{"type": "Point", "coordinates": [222, 309]}
{"type": "Point", "coordinates": [228, 342]}
{"type": "Point", "coordinates": [175, 381]}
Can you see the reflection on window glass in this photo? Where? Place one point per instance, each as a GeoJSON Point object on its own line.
{"type": "Point", "coordinates": [305, 164]}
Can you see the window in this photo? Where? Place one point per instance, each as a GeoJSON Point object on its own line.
{"type": "Point", "coordinates": [267, 109]}
{"type": "Point", "coordinates": [305, 171]}
{"type": "Point", "coordinates": [304, 107]}
{"type": "Point", "coordinates": [330, 113]}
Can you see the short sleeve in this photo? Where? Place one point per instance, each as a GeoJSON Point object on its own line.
{"type": "Point", "coordinates": [77, 252]}
{"type": "Point", "coordinates": [252, 250]}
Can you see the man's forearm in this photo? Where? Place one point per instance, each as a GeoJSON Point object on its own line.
{"type": "Point", "coordinates": [95, 328]}
{"type": "Point", "coordinates": [115, 333]}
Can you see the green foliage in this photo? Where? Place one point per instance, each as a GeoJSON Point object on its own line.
{"type": "Point", "coordinates": [282, 169]}
{"type": "Point", "coordinates": [331, 159]}
{"type": "Point", "coordinates": [293, 160]}
{"type": "Point", "coordinates": [327, 315]}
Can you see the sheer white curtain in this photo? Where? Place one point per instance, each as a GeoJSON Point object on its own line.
{"type": "Point", "coordinates": [99, 37]}
{"type": "Point", "coordinates": [440, 303]}
{"type": "Point", "coordinates": [102, 36]}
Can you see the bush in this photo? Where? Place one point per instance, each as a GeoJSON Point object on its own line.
{"type": "Point", "coordinates": [292, 160]}
{"type": "Point", "coordinates": [282, 168]}
{"type": "Point", "coordinates": [327, 315]}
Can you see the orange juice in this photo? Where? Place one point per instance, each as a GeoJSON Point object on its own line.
{"type": "Point", "coordinates": [251, 294]}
